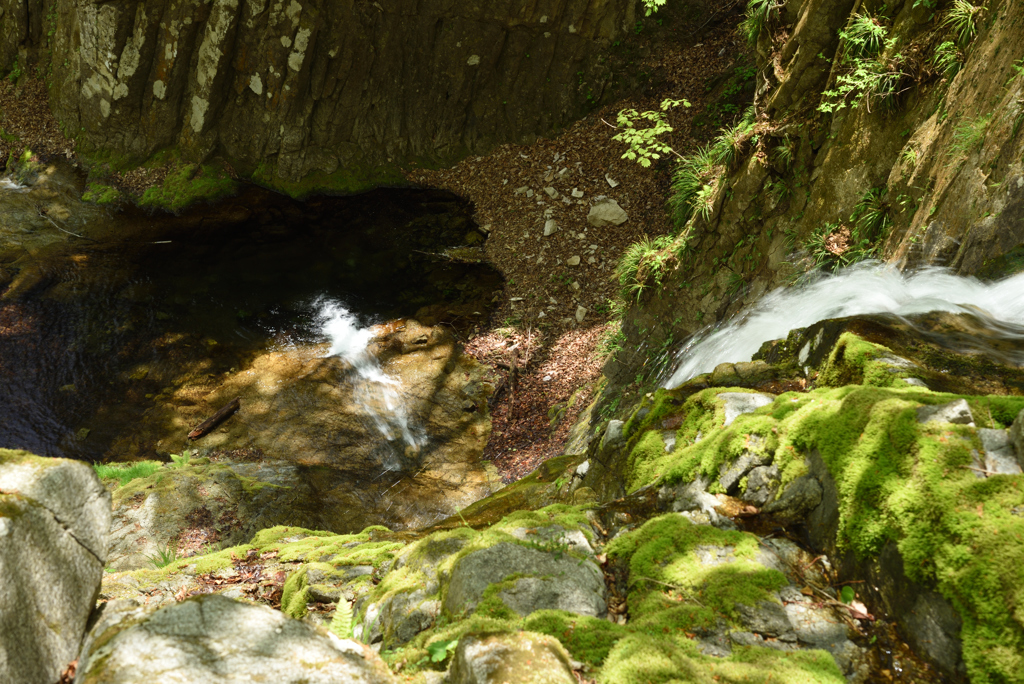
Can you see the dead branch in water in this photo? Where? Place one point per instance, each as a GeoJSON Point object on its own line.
{"type": "Point", "coordinates": [216, 419]}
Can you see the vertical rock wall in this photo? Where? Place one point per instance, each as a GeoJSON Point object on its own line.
{"type": "Point", "coordinates": [337, 93]}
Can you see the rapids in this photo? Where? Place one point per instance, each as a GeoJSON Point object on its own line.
{"type": "Point", "coordinates": [868, 288]}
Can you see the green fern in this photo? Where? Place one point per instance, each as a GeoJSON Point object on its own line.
{"type": "Point", "coordinates": [341, 623]}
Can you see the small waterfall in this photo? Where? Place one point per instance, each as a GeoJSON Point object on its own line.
{"type": "Point", "coordinates": [863, 289]}
{"type": "Point", "coordinates": [8, 184]}
{"type": "Point", "coordinates": [375, 392]}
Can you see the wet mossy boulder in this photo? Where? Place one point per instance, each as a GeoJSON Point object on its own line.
{"type": "Point", "coordinates": [872, 472]}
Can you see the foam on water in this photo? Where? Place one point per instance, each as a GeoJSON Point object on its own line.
{"type": "Point", "coordinates": [375, 392]}
{"type": "Point", "coordinates": [8, 184]}
{"type": "Point", "coordinates": [864, 289]}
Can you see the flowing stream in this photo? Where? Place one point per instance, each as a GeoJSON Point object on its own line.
{"type": "Point", "coordinates": [864, 289]}
{"type": "Point", "coordinates": [376, 393]}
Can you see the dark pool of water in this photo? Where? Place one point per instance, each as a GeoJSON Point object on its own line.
{"type": "Point", "coordinates": [206, 292]}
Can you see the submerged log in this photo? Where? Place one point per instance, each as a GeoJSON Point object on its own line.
{"type": "Point", "coordinates": [216, 419]}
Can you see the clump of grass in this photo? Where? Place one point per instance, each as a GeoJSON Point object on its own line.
{"type": "Point", "coordinates": [163, 557]}
{"type": "Point", "coordinates": [729, 145]}
{"type": "Point", "coordinates": [692, 186]}
{"type": "Point", "coordinates": [871, 215]}
{"type": "Point", "coordinates": [864, 36]}
{"type": "Point", "coordinates": [126, 472]}
{"type": "Point", "coordinates": [962, 19]}
{"type": "Point", "coordinates": [834, 246]}
{"type": "Point", "coordinates": [782, 154]}
{"type": "Point", "coordinates": [756, 20]}
{"type": "Point", "coordinates": [909, 157]}
{"type": "Point", "coordinates": [968, 136]}
{"type": "Point", "coordinates": [643, 265]}
{"type": "Point", "coordinates": [948, 59]}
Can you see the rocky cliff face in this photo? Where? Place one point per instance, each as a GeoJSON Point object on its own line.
{"type": "Point", "coordinates": [312, 94]}
{"type": "Point", "coordinates": [906, 157]}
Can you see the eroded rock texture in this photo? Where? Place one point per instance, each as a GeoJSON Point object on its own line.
{"type": "Point", "coordinates": [337, 94]}
{"type": "Point", "coordinates": [54, 517]}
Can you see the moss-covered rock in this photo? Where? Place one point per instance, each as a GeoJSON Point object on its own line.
{"type": "Point", "coordinates": [891, 479]}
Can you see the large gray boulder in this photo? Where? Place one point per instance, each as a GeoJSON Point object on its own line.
{"type": "Point", "coordinates": [546, 579]}
{"type": "Point", "coordinates": [213, 639]}
{"type": "Point", "coordinates": [54, 518]}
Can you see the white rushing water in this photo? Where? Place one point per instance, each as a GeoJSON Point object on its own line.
{"type": "Point", "coordinates": [8, 184]}
{"type": "Point", "coordinates": [864, 289]}
{"type": "Point", "coordinates": [374, 391]}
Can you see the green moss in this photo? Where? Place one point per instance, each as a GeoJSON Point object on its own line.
{"type": "Point", "coordinates": [295, 595]}
{"type": "Point", "coordinates": [854, 361]}
{"type": "Point", "coordinates": [639, 659]}
{"type": "Point", "coordinates": [702, 446]}
{"type": "Point", "coordinates": [665, 573]}
{"type": "Point", "coordinates": [346, 180]}
{"type": "Point", "coordinates": [187, 184]}
{"type": "Point", "coordinates": [126, 472]}
{"type": "Point", "coordinates": [587, 639]}
{"type": "Point", "coordinates": [99, 193]}
{"type": "Point", "coordinates": [898, 482]}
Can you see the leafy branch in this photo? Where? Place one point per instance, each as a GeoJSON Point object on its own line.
{"type": "Point", "coordinates": [645, 145]}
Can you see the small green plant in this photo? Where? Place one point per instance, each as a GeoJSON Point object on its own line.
{"type": "Point", "coordinates": [868, 80]}
{"type": "Point", "coordinates": [439, 650]}
{"type": "Point", "coordinates": [645, 145]}
{"type": "Point", "coordinates": [962, 20]}
{"type": "Point", "coordinates": [341, 623]}
{"type": "Point", "coordinates": [126, 472]}
{"type": "Point", "coordinates": [652, 6]}
{"type": "Point", "coordinates": [181, 460]}
{"type": "Point", "coordinates": [908, 157]}
{"type": "Point", "coordinates": [642, 265]}
{"type": "Point", "coordinates": [871, 215]}
{"type": "Point", "coordinates": [611, 340]}
{"type": "Point", "coordinates": [756, 20]}
{"type": "Point", "coordinates": [864, 36]}
{"type": "Point", "coordinates": [692, 186]}
{"type": "Point", "coordinates": [967, 136]}
{"type": "Point", "coordinates": [777, 190]}
{"type": "Point", "coordinates": [163, 557]}
{"type": "Point", "coordinates": [948, 59]}
{"type": "Point", "coordinates": [15, 72]}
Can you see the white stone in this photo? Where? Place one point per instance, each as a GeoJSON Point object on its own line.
{"type": "Point", "coordinates": [573, 261]}
{"type": "Point", "coordinates": [606, 213]}
{"type": "Point", "coordinates": [550, 227]}
{"type": "Point", "coordinates": [551, 192]}
{"type": "Point", "coordinates": [611, 181]}
{"type": "Point", "coordinates": [577, 193]}
{"type": "Point", "coordinates": [581, 313]}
